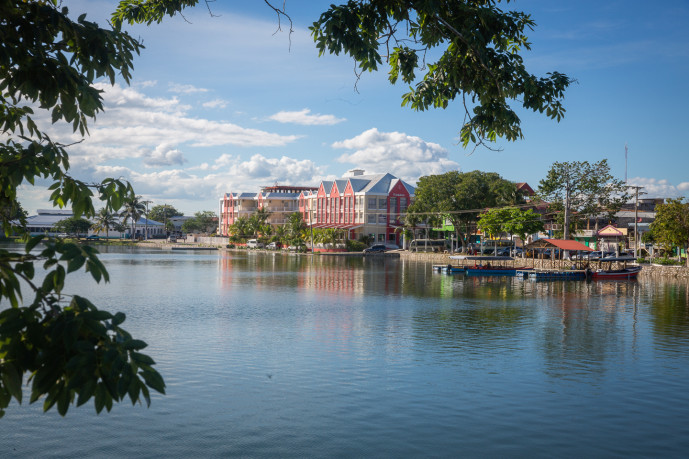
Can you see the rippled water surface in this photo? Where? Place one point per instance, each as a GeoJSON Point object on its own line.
{"type": "Point", "coordinates": [286, 356]}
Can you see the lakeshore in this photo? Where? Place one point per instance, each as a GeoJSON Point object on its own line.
{"type": "Point", "coordinates": [649, 269]}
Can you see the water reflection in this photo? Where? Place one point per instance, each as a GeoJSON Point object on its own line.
{"type": "Point", "coordinates": [276, 355]}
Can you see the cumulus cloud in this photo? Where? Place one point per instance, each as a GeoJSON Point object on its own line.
{"type": "Point", "coordinates": [406, 156]}
{"type": "Point", "coordinates": [185, 88]}
{"type": "Point", "coordinates": [304, 117]}
{"type": "Point", "coordinates": [215, 103]}
{"type": "Point", "coordinates": [133, 125]}
{"type": "Point", "coordinates": [164, 155]}
{"type": "Point", "coordinates": [659, 188]}
{"type": "Point", "coordinates": [208, 182]}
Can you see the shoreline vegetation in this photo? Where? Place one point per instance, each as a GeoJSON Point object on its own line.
{"type": "Point", "coordinates": [650, 269]}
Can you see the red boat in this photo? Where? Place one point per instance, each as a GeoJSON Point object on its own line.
{"type": "Point", "coordinates": [625, 273]}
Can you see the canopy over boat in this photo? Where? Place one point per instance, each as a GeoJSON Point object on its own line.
{"type": "Point", "coordinates": [480, 258]}
{"type": "Point", "coordinates": [618, 259]}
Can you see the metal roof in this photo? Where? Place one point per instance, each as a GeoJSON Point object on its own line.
{"type": "Point", "coordinates": [564, 244]}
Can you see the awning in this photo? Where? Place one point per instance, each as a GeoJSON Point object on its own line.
{"type": "Point", "coordinates": [564, 244]}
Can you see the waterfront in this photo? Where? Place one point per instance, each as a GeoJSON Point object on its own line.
{"type": "Point", "coordinates": [272, 355]}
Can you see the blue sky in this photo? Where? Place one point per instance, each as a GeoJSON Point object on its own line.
{"type": "Point", "coordinates": [220, 104]}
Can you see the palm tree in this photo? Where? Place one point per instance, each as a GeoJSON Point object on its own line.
{"type": "Point", "coordinates": [104, 220]}
{"type": "Point", "coordinates": [133, 209]}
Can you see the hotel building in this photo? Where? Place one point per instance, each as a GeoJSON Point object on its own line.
{"type": "Point", "coordinates": [362, 204]}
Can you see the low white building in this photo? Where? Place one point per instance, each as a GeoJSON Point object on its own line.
{"type": "Point", "coordinates": [44, 222]}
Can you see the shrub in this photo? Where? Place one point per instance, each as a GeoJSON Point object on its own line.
{"type": "Point", "coordinates": [355, 246]}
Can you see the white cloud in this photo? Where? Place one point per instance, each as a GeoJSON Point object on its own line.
{"type": "Point", "coordinates": [305, 118]}
{"type": "Point", "coordinates": [215, 103]}
{"type": "Point", "coordinates": [406, 156]}
{"type": "Point", "coordinates": [164, 155]}
{"type": "Point", "coordinates": [655, 188]}
{"type": "Point", "coordinates": [133, 125]}
{"type": "Point", "coordinates": [185, 88]}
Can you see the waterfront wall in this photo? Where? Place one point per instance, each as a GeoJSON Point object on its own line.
{"type": "Point", "coordinates": [676, 272]}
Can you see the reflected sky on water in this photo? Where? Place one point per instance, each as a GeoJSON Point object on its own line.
{"type": "Point", "coordinates": [276, 355]}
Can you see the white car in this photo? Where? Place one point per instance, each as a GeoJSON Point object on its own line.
{"type": "Point", "coordinates": [254, 244]}
{"type": "Point", "coordinates": [272, 246]}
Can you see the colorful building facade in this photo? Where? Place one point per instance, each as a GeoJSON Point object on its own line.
{"type": "Point", "coordinates": [372, 205]}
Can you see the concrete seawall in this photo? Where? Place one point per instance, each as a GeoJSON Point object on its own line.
{"type": "Point", "coordinates": [675, 272]}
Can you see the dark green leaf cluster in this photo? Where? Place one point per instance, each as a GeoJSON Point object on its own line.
{"type": "Point", "coordinates": [202, 222]}
{"type": "Point", "coordinates": [480, 58]}
{"type": "Point", "coordinates": [70, 349]}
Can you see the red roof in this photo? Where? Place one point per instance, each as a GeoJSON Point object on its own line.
{"type": "Point", "coordinates": [566, 244]}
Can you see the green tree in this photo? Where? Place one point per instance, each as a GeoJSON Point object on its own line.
{"type": "Point", "coordinates": [104, 221]}
{"type": "Point", "coordinates": [203, 222]}
{"type": "Point", "coordinates": [162, 212]}
{"type": "Point", "coordinates": [73, 351]}
{"type": "Point", "coordinates": [258, 220]}
{"type": "Point", "coordinates": [511, 220]}
{"type": "Point", "coordinates": [671, 225]}
{"type": "Point", "coordinates": [479, 61]}
{"type": "Point", "coordinates": [73, 226]}
{"type": "Point", "coordinates": [583, 188]}
{"type": "Point", "coordinates": [478, 44]}
{"type": "Point", "coordinates": [132, 210]}
{"type": "Point", "coordinates": [295, 229]}
{"type": "Point", "coordinates": [458, 197]}
{"type": "Point", "coordinates": [241, 227]}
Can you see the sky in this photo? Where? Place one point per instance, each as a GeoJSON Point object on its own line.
{"type": "Point", "coordinates": [233, 102]}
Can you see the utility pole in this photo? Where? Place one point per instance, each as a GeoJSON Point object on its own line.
{"type": "Point", "coordinates": [636, 216]}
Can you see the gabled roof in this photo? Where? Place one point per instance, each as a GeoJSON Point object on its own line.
{"type": "Point", "coordinates": [612, 231]}
{"type": "Point", "coordinates": [247, 195]}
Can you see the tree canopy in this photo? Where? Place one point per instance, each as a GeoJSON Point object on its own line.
{"type": "Point", "coordinates": [72, 351]}
{"type": "Point", "coordinates": [74, 226]}
{"type": "Point", "coordinates": [162, 212]}
{"type": "Point", "coordinates": [671, 225]}
{"type": "Point", "coordinates": [202, 222]}
{"type": "Point", "coordinates": [459, 197]}
{"type": "Point", "coordinates": [479, 61]}
{"type": "Point", "coordinates": [478, 46]}
{"type": "Point", "coordinates": [582, 189]}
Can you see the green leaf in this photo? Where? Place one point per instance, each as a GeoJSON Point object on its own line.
{"type": "Point", "coordinates": [135, 344]}
{"type": "Point", "coordinates": [86, 392]}
{"type": "Point", "coordinates": [12, 380]}
{"type": "Point", "coordinates": [154, 380]}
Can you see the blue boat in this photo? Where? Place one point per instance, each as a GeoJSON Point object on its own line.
{"type": "Point", "coordinates": [485, 266]}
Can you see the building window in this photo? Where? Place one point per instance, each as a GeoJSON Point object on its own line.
{"type": "Point", "coordinates": [382, 203]}
{"type": "Point", "coordinates": [382, 219]}
{"type": "Point", "coordinates": [371, 218]}
{"type": "Point", "coordinates": [403, 204]}
{"type": "Point", "coordinates": [393, 204]}
{"type": "Point", "coordinates": [371, 203]}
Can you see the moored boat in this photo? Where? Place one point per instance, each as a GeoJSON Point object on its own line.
{"type": "Point", "coordinates": [626, 272]}
{"type": "Point", "coordinates": [485, 266]}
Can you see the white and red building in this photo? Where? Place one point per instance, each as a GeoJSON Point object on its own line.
{"type": "Point", "coordinates": [363, 204]}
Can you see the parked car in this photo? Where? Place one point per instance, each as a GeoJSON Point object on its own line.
{"type": "Point", "coordinates": [273, 246]}
{"type": "Point", "coordinates": [376, 248]}
{"type": "Point", "coordinates": [254, 244]}
{"type": "Point", "coordinates": [172, 239]}
{"type": "Point", "coordinates": [93, 237]}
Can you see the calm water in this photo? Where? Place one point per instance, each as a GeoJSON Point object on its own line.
{"type": "Point", "coordinates": [284, 356]}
